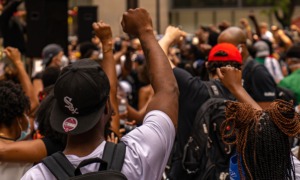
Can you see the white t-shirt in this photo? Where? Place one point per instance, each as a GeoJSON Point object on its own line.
{"type": "Point", "coordinates": [147, 151]}
{"type": "Point", "coordinates": [10, 170]}
{"type": "Point", "coordinates": [297, 167]}
{"type": "Point", "coordinates": [274, 69]}
{"type": "Point", "coordinates": [269, 36]}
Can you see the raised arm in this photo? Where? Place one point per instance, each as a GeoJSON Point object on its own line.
{"type": "Point", "coordinates": [232, 80]}
{"type": "Point", "coordinates": [15, 56]}
{"type": "Point", "coordinates": [137, 22]}
{"type": "Point", "coordinates": [171, 36]}
{"type": "Point", "coordinates": [103, 31]}
{"type": "Point", "coordinates": [256, 27]}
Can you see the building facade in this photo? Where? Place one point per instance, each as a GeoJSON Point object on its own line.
{"type": "Point", "coordinates": [188, 14]}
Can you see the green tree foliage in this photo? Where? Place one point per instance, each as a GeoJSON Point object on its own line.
{"type": "Point", "coordinates": [282, 9]}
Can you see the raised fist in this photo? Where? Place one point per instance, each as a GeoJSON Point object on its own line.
{"type": "Point", "coordinates": [13, 54]}
{"type": "Point", "coordinates": [136, 22]}
{"type": "Point", "coordinates": [230, 77]}
{"type": "Point", "coordinates": [102, 31]}
{"type": "Point", "coordinates": [174, 34]}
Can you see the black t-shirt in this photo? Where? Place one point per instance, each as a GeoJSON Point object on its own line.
{"type": "Point", "coordinates": [193, 93]}
{"type": "Point", "coordinates": [258, 82]}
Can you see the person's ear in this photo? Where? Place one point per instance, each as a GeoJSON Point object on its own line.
{"type": "Point", "coordinates": [206, 64]}
{"type": "Point", "coordinates": [240, 47]}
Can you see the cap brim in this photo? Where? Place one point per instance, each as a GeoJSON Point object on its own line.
{"type": "Point", "coordinates": [84, 123]}
{"type": "Point", "coordinates": [262, 54]}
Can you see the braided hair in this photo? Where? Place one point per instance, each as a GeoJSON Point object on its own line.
{"type": "Point", "coordinates": [261, 138]}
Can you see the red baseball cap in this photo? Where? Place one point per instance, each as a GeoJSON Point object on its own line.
{"type": "Point", "coordinates": [225, 52]}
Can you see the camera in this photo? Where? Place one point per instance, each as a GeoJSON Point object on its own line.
{"type": "Point", "coordinates": [118, 45]}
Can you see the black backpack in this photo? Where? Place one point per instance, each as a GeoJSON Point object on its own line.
{"type": "Point", "coordinates": [110, 167]}
{"type": "Point", "coordinates": [205, 154]}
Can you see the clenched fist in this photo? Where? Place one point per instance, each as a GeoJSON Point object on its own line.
{"type": "Point", "coordinates": [13, 54]}
{"type": "Point", "coordinates": [136, 22]}
{"type": "Point", "coordinates": [103, 31]}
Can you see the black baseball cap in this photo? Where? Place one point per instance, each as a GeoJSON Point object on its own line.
{"type": "Point", "coordinates": [49, 52]}
{"type": "Point", "coordinates": [81, 92]}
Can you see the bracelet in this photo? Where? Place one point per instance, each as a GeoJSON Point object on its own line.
{"type": "Point", "coordinates": [107, 50]}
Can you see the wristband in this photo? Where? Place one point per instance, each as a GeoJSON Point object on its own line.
{"type": "Point", "coordinates": [107, 50]}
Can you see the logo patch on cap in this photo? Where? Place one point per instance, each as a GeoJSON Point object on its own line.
{"type": "Point", "coordinates": [70, 124]}
{"type": "Point", "coordinates": [70, 105]}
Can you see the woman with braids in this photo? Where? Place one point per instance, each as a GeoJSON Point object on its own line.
{"type": "Point", "coordinates": [262, 139]}
{"type": "Point", "coordinates": [261, 136]}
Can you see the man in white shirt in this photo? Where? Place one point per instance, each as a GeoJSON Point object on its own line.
{"type": "Point", "coordinates": [82, 109]}
{"type": "Point", "coordinates": [265, 33]}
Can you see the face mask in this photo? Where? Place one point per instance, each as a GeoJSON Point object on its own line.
{"type": "Point", "coordinates": [24, 134]}
{"type": "Point", "coordinates": [64, 61]}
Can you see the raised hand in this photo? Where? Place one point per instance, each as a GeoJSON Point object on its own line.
{"type": "Point", "coordinates": [13, 54]}
{"type": "Point", "coordinates": [173, 34]}
{"type": "Point", "coordinates": [136, 22]}
{"type": "Point", "coordinates": [230, 77]}
{"type": "Point", "coordinates": [112, 138]}
{"type": "Point", "coordinates": [103, 31]}
{"type": "Point", "coordinates": [232, 80]}
{"type": "Point", "coordinates": [251, 15]}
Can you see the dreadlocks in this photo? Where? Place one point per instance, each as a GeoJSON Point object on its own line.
{"type": "Point", "coordinates": [261, 138]}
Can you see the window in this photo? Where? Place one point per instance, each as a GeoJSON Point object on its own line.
{"type": "Point", "coordinates": [249, 3]}
{"type": "Point", "coordinates": [222, 3]}
{"type": "Point", "coordinates": [203, 3]}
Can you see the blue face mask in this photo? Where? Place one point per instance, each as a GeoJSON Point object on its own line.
{"type": "Point", "coordinates": [24, 134]}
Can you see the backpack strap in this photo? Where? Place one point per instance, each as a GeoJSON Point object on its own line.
{"type": "Point", "coordinates": [114, 155]}
{"type": "Point", "coordinates": [119, 156]}
{"type": "Point", "coordinates": [213, 89]}
{"type": "Point", "coordinates": [108, 153]}
{"type": "Point", "coordinates": [59, 166]}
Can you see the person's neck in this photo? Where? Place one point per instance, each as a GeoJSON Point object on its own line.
{"type": "Point", "coordinates": [10, 133]}
{"type": "Point", "coordinates": [84, 144]}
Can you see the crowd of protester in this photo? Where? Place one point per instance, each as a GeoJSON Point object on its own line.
{"type": "Point", "coordinates": [144, 90]}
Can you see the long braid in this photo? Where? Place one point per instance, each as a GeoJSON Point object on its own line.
{"type": "Point", "coordinates": [261, 137]}
{"type": "Point", "coordinates": [247, 118]}
{"type": "Point", "coordinates": [283, 115]}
